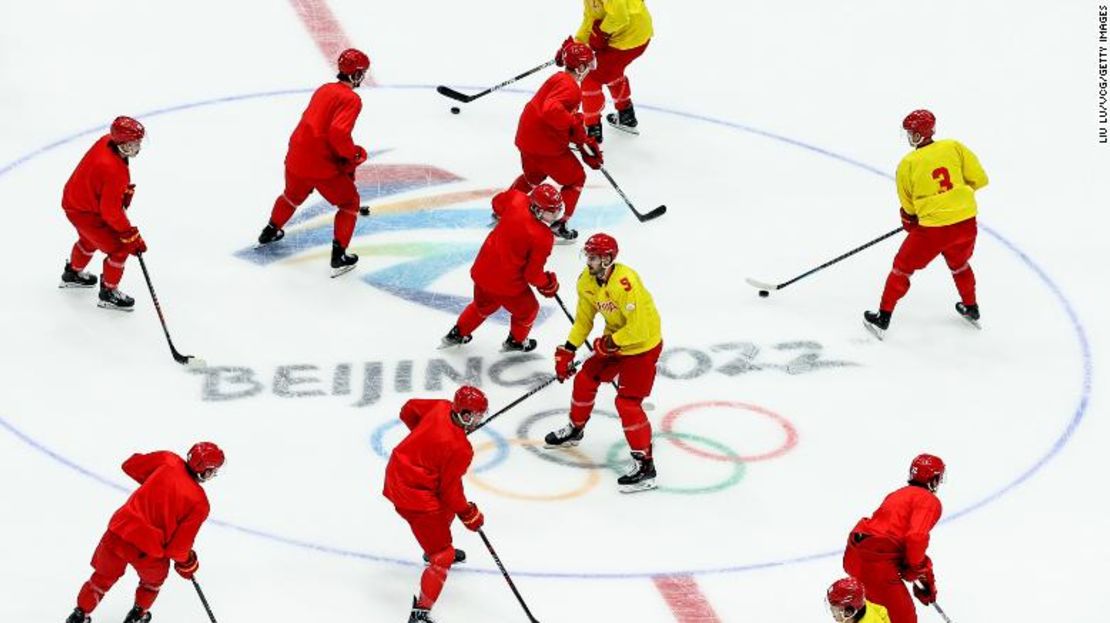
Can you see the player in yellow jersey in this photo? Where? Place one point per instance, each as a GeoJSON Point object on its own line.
{"type": "Point", "coordinates": [618, 31]}
{"type": "Point", "coordinates": [848, 604]}
{"type": "Point", "coordinates": [936, 187]}
{"type": "Point", "coordinates": [627, 351]}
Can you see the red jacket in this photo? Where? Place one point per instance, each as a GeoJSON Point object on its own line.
{"type": "Point", "coordinates": [322, 145]}
{"type": "Point", "coordinates": [545, 124]}
{"type": "Point", "coordinates": [98, 183]}
{"type": "Point", "coordinates": [515, 252]}
{"type": "Point", "coordinates": [905, 517]}
{"type": "Point", "coordinates": [425, 470]}
{"type": "Point", "coordinates": [162, 517]}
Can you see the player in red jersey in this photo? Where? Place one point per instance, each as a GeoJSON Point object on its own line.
{"type": "Point", "coordinates": [511, 259]}
{"type": "Point", "coordinates": [423, 479]}
{"type": "Point", "coordinates": [549, 123]}
{"type": "Point", "coordinates": [157, 524]}
{"type": "Point", "coordinates": [889, 547]}
{"type": "Point", "coordinates": [323, 157]}
{"type": "Point", "coordinates": [95, 200]}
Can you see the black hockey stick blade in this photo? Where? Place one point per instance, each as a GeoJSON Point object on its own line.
{"type": "Point", "coordinates": [653, 214]}
{"type": "Point", "coordinates": [453, 94]}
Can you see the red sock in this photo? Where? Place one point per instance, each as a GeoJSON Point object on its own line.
{"type": "Point", "coordinates": [282, 212]}
{"type": "Point", "coordinates": [345, 221]}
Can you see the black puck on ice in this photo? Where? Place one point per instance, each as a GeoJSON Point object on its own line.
{"type": "Point", "coordinates": [764, 294]}
{"type": "Point", "coordinates": [455, 110]}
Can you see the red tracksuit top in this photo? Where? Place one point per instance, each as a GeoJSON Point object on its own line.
{"type": "Point", "coordinates": [906, 517]}
{"type": "Point", "coordinates": [322, 140]}
{"type": "Point", "coordinates": [162, 517]}
{"type": "Point", "coordinates": [98, 183]}
{"type": "Point", "coordinates": [425, 470]}
{"type": "Point", "coordinates": [545, 124]}
{"type": "Point", "coordinates": [515, 252]}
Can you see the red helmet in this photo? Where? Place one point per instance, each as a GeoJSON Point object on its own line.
{"type": "Point", "coordinates": [578, 54]}
{"type": "Point", "coordinates": [601, 244]}
{"type": "Point", "coordinates": [125, 130]}
{"type": "Point", "coordinates": [922, 122]}
{"type": "Point", "coordinates": [470, 399]}
{"type": "Point", "coordinates": [846, 593]}
{"type": "Point", "coordinates": [926, 467]}
{"type": "Point", "coordinates": [546, 198]}
{"type": "Point", "coordinates": [204, 456]}
{"type": "Point", "coordinates": [352, 60]}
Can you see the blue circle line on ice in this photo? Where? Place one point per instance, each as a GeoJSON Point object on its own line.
{"type": "Point", "coordinates": [1055, 448]}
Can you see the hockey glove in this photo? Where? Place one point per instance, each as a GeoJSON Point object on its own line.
{"type": "Point", "coordinates": [591, 153]}
{"type": "Point", "coordinates": [551, 288]}
{"type": "Point", "coordinates": [599, 39]}
{"type": "Point", "coordinates": [925, 589]}
{"type": "Point", "coordinates": [559, 54]}
{"type": "Point", "coordinates": [132, 242]}
{"type": "Point", "coordinates": [606, 347]}
{"type": "Point", "coordinates": [472, 518]}
{"type": "Point", "coordinates": [128, 195]}
{"type": "Point", "coordinates": [564, 362]}
{"type": "Point", "coordinates": [909, 221]}
{"type": "Point", "coordinates": [578, 133]}
{"type": "Point", "coordinates": [187, 568]}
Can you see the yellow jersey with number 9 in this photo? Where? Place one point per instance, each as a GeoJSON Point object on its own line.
{"type": "Point", "coordinates": [938, 183]}
{"type": "Point", "coordinates": [627, 307]}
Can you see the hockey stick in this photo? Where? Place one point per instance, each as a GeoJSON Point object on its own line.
{"type": "Point", "coordinates": [185, 360]}
{"type": "Point", "coordinates": [768, 287]}
{"type": "Point", "coordinates": [505, 573]}
{"type": "Point", "coordinates": [559, 300]}
{"type": "Point", "coordinates": [643, 218]}
{"type": "Point", "coordinates": [944, 616]}
{"type": "Point", "coordinates": [514, 403]}
{"type": "Point", "coordinates": [466, 99]}
{"type": "Point", "coordinates": [200, 593]}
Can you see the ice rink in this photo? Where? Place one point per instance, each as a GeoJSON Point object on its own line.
{"type": "Point", "coordinates": [770, 130]}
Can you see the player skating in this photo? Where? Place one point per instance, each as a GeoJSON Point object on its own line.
{"type": "Point", "coordinates": [511, 259]}
{"type": "Point", "coordinates": [848, 604]}
{"type": "Point", "coordinates": [936, 187]}
{"type": "Point", "coordinates": [627, 351]}
{"type": "Point", "coordinates": [618, 31]}
{"type": "Point", "coordinates": [323, 157]}
{"type": "Point", "coordinates": [95, 201]}
{"type": "Point", "coordinates": [549, 123]}
{"type": "Point", "coordinates": [889, 548]}
{"type": "Point", "coordinates": [423, 480]}
{"type": "Point", "coordinates": [157, 524]}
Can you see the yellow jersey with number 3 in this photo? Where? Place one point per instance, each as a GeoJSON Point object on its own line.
{"type": "Point", "coordinates": [627, 22]}
{"type": "Point", "coordinates": [625, 304]}
{"type": "Point", "coordinates": [938, 183]}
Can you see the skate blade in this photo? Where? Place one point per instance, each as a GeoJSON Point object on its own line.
{"type": "Point", "coordinates": [107, 305]}
{"type": "Point", "coordinates": [873, 330]}
{"type": "Point", "coordinates": [564, 241]}
{"type": "Point", "coordinates": [517, 350]}
{"type": "Point", "coordinates": [446, 345]}
{"type": "Point", "coordinates": [645, 485]}
{"type": "Point", "coordinates": [972, 322]}
{"type": "Point", "coordinates": [342, 270]}
{"type": "Point", "coordinates": [560, 446]}
{"type": "Point", "coordinates": [65, 285]}
{"type": "Point", "coordinates": [624, 128]}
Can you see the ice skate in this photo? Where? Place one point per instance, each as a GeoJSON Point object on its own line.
{"type": "Point", "coordinates": [341, 261]}
{"type": "Point", "coordinates": [624, 120]}
{"type": "Point", "coordinates": [454, 337]}
{"type": "Point", "coordinates": [876, 322]}
{"type": "Point", "coordinates": [641, 477]}
{"type": "Point", "coordinates": [269, 234]}
{"type": "Point", "coordinates": [511, 345]}
{"type": "Point", "coordinates": [76, 278]}
{"type": "Point", "coordinates": [112, 298]}
{"type": "Point", "coordinates": [460, 557]}
{"type": "Point", "coordinates": [563, 234]}
{"type": "Point", "coordinates": [970, 313]}
{"type": "Point", "coordinates": [78, 616]}
{"type": "Point", "coordinates": [595, 131]}
{"type": "Point", "coordinates": [566, 437]}
{"type": "Point", "coordinates": [420, 615]}
{"type": "Point", "coordinates": [138, 615]}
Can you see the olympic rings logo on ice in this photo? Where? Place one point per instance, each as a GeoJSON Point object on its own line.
{"type": "Point", "coordinates": [498, 447]}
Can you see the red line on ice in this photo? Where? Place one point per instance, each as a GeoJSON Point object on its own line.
{"type": "Point", "coordinates": [324, 29]}
{"type": "Point", "coordinates": [686, 600]}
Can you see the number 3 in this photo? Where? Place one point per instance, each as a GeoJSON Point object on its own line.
{"type": "Point", "coordinates": [942, 176]}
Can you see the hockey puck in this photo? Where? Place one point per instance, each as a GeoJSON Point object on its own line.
{"type": "Point", "coordinates": [455, 110]}
{"type": "Point", "coordinates": [764, 294]}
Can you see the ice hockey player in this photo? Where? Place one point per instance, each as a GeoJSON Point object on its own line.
{"type": "Point", "coordinates": [848, 604]}
{"type": "Point", "coordinates": [157, 524]}
{"type": "Point", "coordinates": [627, 351]}
{"type": "Point", "coordinates": [618, 31]}
{"type": "Point", "coordinates": [323, 157]}
{"type": "Point", "coordinates": [549, 123]}
{"type": "Point", "coordinates": [936, 187]}
{"type": "Point", "coordinates": [95, 200]}
{"type": "Point", "coordinates": [889, 547]}
{"type": "Point", "coordinates": [511, 259]}
{"type": "Point", "coordinates": [423, 479]}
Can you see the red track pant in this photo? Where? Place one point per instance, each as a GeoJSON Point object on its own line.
{"type": "Point", "coordinates": [432, 530]}
{"type": "Point", "coordinates": [922, 245]}
{"type": "Point", "coordinates": [875, 561]}
{"type": "Point", "coordinates": [636, 376]}
{"type": "Point", "coordinates": [565, 169]}
{"type": "Point", "coordinates": [93, 234]}
{"type": "Point", "coordinates": [339, 191]}
{"type": "Point", "coordinates": [611, 64]}
{"type": "Point", "coordinates": [110, 560]}
{"type": "Point", "coordinates": [523, 309]}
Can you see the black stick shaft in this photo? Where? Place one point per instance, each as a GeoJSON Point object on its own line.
{"type": "Point", "coordinates": [839, 258]}
{"type": "Point", "coordinates": [505, 573]}
{"type": "Point", "coordinates": [589, 346]}
{"type": "Point", "coordinates": [514, 403]}
{"type": "Point", "coordinates": [471, 98]}
{"type": "Point", "coordinates": [158, 307]}
{"type": "Point", "coordinates": [200, 593]}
